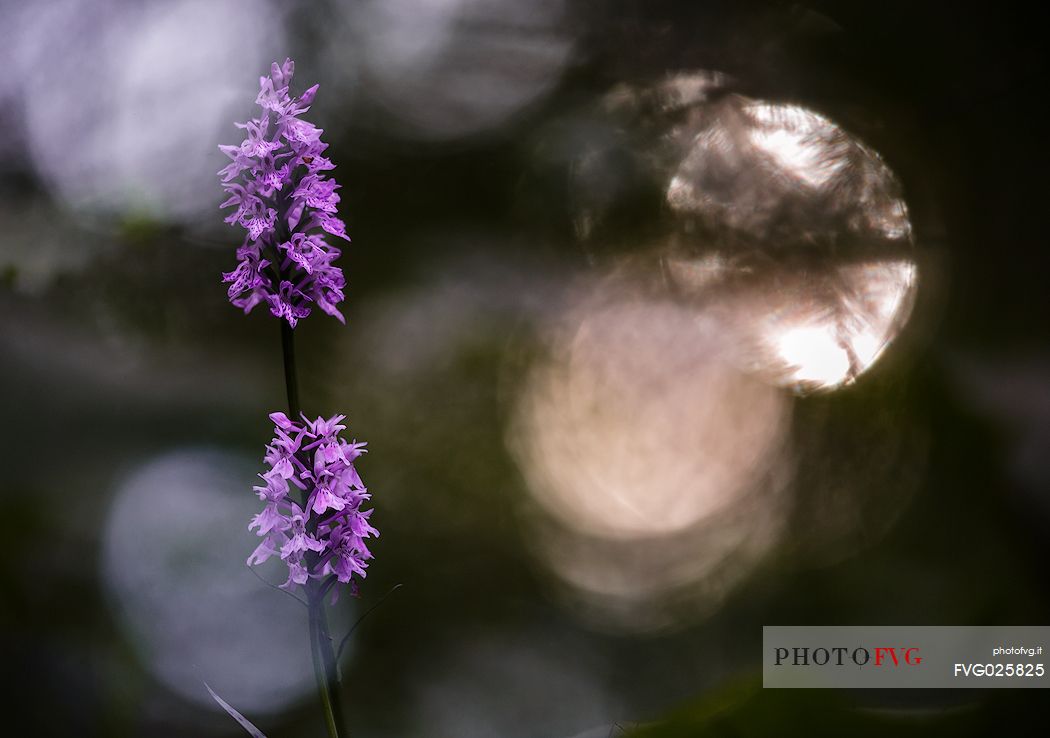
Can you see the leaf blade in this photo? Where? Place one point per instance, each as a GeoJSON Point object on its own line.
{"type": "Point", "coordinates": [244, 722]}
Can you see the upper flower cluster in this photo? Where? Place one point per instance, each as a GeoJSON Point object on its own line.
{"type": "Point", "coordinates": [286, 205]}
{"type": "Point", "coordinates": [322, 532]}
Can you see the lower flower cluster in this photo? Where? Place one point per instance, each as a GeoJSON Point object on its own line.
{"type": "Point", "coordinates": [319, 529]}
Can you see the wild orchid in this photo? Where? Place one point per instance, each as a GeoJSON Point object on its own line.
{"type": "Point", "coordinates": [313, 517]}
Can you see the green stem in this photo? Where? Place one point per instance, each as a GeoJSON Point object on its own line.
{"type": "Point", "coordinates": [326, 671]}
{"type": "Point", "coordinates": [329, 664]}
{"type": "Point", "coordinates": [291, 381]}
{"type": "Point", "coordinates": [325, 686]}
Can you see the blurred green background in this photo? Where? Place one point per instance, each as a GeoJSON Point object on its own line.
{"type": "Point", "coordinates": [135, 397]}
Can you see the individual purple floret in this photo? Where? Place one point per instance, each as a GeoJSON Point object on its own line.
{"type": "Point", "coordinates": [287, 206]}
{"type": "Point", "coordinates": [318, 529]}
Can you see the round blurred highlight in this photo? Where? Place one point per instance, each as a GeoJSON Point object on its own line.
{"type": "Point", "coordinates": [659, 465]}
{"type": "Point", "coordinates": [767, 217]}
{"type": "Point", "coordinates": [814, 270]}
{"type": "Point", "coordinates": [175, 569]}
{"type": "Point", "coordinates": [636, 427]}
{"type": "Point", "coordinates": [445, 69]}
{"type": "Point", "coordinates": [133, 113]}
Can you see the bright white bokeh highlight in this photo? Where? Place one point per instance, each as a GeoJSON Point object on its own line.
{"type": "Point", "coordinates": [125, 121]}
{"type": "Point", "coordinates": [814, 355]}
{"type": "Point", "coordinates": [174, 553]}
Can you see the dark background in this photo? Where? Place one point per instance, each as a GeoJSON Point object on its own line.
{"type": "Point", "coordinates": [117, 348]}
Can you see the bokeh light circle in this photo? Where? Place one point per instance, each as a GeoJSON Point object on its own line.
{"type": "Point", "coordinates": [174, 553]}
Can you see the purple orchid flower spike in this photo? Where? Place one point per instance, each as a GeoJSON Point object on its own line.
{"type": "Point", "coordinates": [282, 198]}
{"type": "Point", "coordinates": [324, 532]}
{"type": "Point", "coordinates": [313, 517]}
